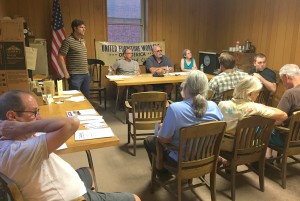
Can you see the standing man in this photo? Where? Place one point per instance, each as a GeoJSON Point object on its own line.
{"type": "Point", "coordinates": [126, 66]}
{"type": "Point", "coordinates": [263, 73]}
{"type": "Point", "coordinates": [157, 63]}
{"type": "Point", "coordinates": [74, 51]}
{"type": "Point", "coordinates": [226, 80]}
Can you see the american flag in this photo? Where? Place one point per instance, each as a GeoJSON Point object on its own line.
{"type": "Point", "coordinates": [58, 35]}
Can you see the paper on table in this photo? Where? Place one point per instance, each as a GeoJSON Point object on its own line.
{"type": "Point", "coordinates": [71, 92]}
{"type": "Point", "coordinates": [93, 133]}
{"type": "Point", "coordinates": [118, 77]}
{"type": "Point", "coordinates": [81, 112]}
{"type": "Point", "coordinates": [76, 99]}
{"type": "Point", "coordinates": [63, 146]}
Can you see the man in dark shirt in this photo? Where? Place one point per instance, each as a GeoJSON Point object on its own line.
{"type": "Point", "coordinates": [263, 73]}
{"type": "Point", "coordinates": [158, 63]}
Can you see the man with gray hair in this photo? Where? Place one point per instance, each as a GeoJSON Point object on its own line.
{"type": "Point", "coordinates": [158, 64]}
{"type": "Point", "coordinates": [290, 100]}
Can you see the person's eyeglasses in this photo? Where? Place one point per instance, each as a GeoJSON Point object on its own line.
{"type": "Point", "coordinates": [36, 112]}
{"type": "Point", "coordinates": [158, 51]}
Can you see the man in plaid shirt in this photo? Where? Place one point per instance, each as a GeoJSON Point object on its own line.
{"type": "Point", "coordinates": [227, 79]}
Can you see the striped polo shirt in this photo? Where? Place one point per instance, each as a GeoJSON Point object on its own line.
{"type": "Point", "coordinates": [76, 55]}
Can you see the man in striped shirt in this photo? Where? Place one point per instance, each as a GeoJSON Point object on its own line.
{"type": "Point", "coordinates": [74, 51]}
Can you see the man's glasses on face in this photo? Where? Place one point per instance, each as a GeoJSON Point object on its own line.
{"type": "Point", "coordinates": [158, 51]}
{"type": "Point", "coordinates": [36, 112]}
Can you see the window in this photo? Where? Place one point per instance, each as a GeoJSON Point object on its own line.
{"type": "Point", "coordinates": [125, 21]}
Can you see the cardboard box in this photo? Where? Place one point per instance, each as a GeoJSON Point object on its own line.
{"type": "Point", "coordinates": [13, 79]}
{"type": "Point", "coordinates": [13, 72]}
{"type": "Point", "coordinates": [12, 30]}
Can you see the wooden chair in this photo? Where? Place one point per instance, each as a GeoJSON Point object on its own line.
{"type": "Point", "coordinates": [209, 95]}
{"type": "Point", "coordinates": [265, 97]}
{"type": "Point", "coordinates": [227, 95]}
{"type": "Point", "coordinates": [291, 147]}
{"type": "Point", "coordinates": [95, 68]}
{"type": "Point", "coordinates": [198, 153]}
{"type": "Point", "coordinates": [250, 144]}
{"type": "Point", "coordinates": [10, 188]}
{"type": "Point", "coordinates": [12, 191]}
{"type": "Point", "coordinates": [145, 110]}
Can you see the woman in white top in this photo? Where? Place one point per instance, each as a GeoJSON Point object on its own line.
{"type": "Point", "coordinates": [242, 104]}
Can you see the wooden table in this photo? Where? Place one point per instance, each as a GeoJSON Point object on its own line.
{"type": "Point", "coordinates": [145, 79]}
{"type": "Point", "coordinates": [59, 110]}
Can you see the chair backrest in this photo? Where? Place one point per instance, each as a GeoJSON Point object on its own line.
{"type": "Point", "coordinates": [252, 138]}
{"type": "Point", "coordinates": [227, 95]}
{"type": "Point", "coordinates": [148, 108]}
{"type": "Point", "coordinates": [199, 148]}
{"type": "Point", "coordinates": [10, 188]}
{"type": "Point", "coordinates": [95, 66]}
{"type": "Point", "coordinates": [265, 97]}
{"type": "Point", "coordinates": [209, 95]}
{"type": "Point", "coordinates": [294, 130]}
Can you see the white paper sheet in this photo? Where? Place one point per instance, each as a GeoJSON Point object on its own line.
{"type": "Point", "coordinates": [93, 133]}
{"type": "Point", "coordinates": [71, 92]}
{"type": "Point", "coordinates": [76, 99]}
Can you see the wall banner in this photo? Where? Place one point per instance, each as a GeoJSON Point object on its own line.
{"type": "Point", "coordinates": [110, 52]}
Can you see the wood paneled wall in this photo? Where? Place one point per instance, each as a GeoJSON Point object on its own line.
{"type": "Point", "coordinates": [38, 15]}
{"type": "Point", "coordinates": [212, 25]}
{"type": "Point", "coordinates": [182, 24]}
{"type": "Point", "coordinates": [271, 25]}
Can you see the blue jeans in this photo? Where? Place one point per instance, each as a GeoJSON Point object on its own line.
{"type": "Point", "coordinates": [80, 82]}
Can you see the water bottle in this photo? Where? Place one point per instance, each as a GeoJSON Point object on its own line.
{"type": "Point", "coordinates": [167, 70]}
{"type": "Point", "coordinates": [110, 70]}
{"type": "Point", "coordinates": [136, 69]}
{"type": "Point", "coordinates": [202, 68]}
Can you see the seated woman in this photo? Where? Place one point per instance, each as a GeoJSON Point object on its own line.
{"type": "Point", "coordinates": [194, 109]}
{"type": "Point", "coordinates": [242, 104]}
{"type": "Point", "coordinates": [187, 63]}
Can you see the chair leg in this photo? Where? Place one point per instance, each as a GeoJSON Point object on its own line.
{"type": "Point", "coordinates": [261, 174]}
{"type": "Point", "coordinates": [134, 141]}
{"type": "Point", "coordinates": [153, 173]}
{"type": "Point", "coordinates": [128, 132]}
{"type": "Point", "coordinates": [233, 176]}
{"type": "Point", "coordinates": [213, 186]}
{"type": "Point", "coordinates": [104, 98]}
{"type": "Point", "coordinates": [283, 170]}
{"type": "Point", "coordinates": [178, 189]}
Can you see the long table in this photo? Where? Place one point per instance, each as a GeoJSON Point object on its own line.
{"type": "Point", "coordinates": [59, 110]}
{"type": "Point", "coordinates": [145, 79]}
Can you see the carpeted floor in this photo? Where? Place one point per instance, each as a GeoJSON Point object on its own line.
{"type": "Point", "coordinates": [117, 170]}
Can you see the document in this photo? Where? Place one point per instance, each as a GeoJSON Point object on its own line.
{"type": "Point", "coordinates": [71, 92]}
{"type": "Point", "coordinates": [93, 134]}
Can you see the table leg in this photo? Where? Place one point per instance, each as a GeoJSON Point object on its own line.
{"type": "Point", "coordinates": [91, 165]}
{"type": "Point", "coordinates": [117, 99]}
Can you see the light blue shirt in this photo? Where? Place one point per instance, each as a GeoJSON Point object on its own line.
{"type": "Point", "coordinates": [181, 114]}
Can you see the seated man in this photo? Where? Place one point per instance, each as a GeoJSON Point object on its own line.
{"type": "Point", "coordinates": [194, 109]}
{"type": "Point", "coordinates": [157, 63]}
{"type": "Point", "coordinates": [263, 73]}
{"type": "Point", "coordinates": [290, 100]}
{"type": "Point", "coordinates": [126, 66]}
{"type": "Point", "coordinates": [226, 80]}
{"type": "Point", "coordinates": [29, 161]}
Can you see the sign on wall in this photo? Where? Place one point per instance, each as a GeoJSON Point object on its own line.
{"type": "Point", "coordinates": [110, 52]}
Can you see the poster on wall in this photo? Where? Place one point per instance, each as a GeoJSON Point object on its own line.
{"type": "Point", "coordinates": [110, 52]}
